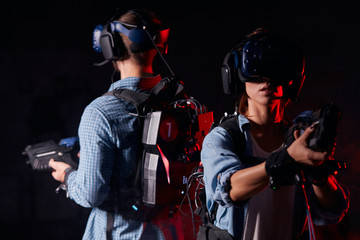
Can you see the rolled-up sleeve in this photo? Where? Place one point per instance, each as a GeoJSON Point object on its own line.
{"type": "Point", "coordinates": [321, 216]}
{"type": "Point", "coordinates": [220, 162]}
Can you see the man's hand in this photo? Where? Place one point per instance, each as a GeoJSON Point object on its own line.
{"type": "Point", "coordinates": [300, 151]}
{"type": "Point", "coordinates": [59, 170]}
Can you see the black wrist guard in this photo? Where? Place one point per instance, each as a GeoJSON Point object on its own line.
{"type": "Point", "coordinates": [281, 169]}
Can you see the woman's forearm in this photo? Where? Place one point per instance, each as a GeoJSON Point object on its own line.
{"type": "Point", "coordinates": [247, 182]}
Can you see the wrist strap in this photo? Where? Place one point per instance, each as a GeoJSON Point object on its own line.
{"type": "Point", "coordinates": [281, 169]}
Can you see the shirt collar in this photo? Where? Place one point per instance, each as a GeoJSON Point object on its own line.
{"type": "Point", "coordinates": [244, 123]}
{"type": "Point", "coordinates": [136, 83]}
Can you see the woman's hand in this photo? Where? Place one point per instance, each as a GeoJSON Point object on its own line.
{"type": "Point", "coordinates": [300, 151]}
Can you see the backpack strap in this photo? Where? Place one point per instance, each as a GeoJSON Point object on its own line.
{"type": "Point", "coordinates": [231, 125]}
{"type": "Point", "coordinates": [138, 99]}
{"type": "Point", "coordinates": [165, 90]}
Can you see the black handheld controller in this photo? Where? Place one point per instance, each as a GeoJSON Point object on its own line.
{"type": "Point", "coordinates": [323, 139]}
{"type": "Point", "coordinates": [325, 120]}
{"type": "Point", "coordinates": [39, 154]}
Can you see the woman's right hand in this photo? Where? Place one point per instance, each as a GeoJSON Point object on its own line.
{"type": "Point", "coordinates": [299, 150]}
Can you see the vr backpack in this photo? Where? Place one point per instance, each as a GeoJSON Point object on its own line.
{"type": "Point", "coordinates": [173, 128]}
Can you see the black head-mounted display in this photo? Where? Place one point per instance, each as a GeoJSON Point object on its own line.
{"type": "Point", "coordinates": [264, 56]}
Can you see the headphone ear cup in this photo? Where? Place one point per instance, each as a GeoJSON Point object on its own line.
{"type": "Point", "coordinates": [112, 46]}
{"type": "Point", "coordinates": [107, 46]}
{"type": "Point", "coordinates": [226, 75]}
{"type": "Point", "coordinates": [230, 77]}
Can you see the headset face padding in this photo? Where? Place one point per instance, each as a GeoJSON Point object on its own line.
{"type": "Point", "coordinates": [264, 55]}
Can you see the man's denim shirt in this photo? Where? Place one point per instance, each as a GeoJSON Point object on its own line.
{"type": "Point", "coordinates": [220, 162]}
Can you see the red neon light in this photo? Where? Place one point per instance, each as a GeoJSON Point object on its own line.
{"type": "Point", "coordinates": [166, 164]}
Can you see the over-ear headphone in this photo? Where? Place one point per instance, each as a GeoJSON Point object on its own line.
{"type": "Point", "coordinates": [230, 80]}
{"type": "Point", "coordinates": [264, 55]}
{"type": "Point", "coordinates": [106, 38]}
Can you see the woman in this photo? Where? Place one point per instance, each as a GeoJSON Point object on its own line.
{"type": "Point", "coordinates": [247, 207]}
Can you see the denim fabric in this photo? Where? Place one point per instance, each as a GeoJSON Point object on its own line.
{"type": "Point", "coordinates": [220, 162]}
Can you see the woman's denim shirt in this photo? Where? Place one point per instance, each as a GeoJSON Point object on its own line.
{"type": "Point", "coordinates": [220, 162]}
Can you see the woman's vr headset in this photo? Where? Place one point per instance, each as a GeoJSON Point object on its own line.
{"type": "Point", "coordinates": [264, 55]}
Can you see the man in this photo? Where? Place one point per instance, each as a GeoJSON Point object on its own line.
{"type": "Point", "coordinates": [108, 134]}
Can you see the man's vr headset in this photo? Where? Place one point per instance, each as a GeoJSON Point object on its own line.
{"type": "Point", "coordinates": [107, 40]}
{"type": "Point", "coordinates": [264, 55]}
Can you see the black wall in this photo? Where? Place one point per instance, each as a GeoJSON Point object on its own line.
{"type": "Point", "coordinates": [47, 78]}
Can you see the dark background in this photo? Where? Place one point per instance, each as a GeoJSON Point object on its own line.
{"type": "Point", "coordinates": [47, 78]}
